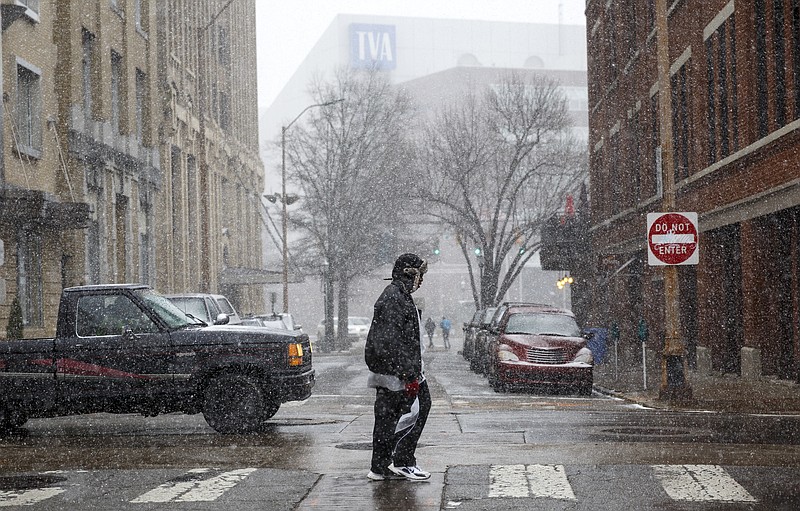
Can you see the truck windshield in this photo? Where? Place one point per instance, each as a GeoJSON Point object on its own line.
{"type": "Point", "coordinates": [165, 309]}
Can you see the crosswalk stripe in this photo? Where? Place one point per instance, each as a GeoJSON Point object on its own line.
{"type": "Point", "coordinates": [195, 489]}
{"type": "Point", "coordinates": [27, 497]}
{"type": "Point", "coordinates": [508, 481]}
{"type": "Point", "coordinates": [549, 481]}
{"type": "Point", "coordinates": [701, 483]}
{"type": "Point", "coordinates": [519, 481]}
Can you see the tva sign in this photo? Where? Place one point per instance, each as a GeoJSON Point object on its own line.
{"type": "Point", "coordinates": [372, 46]}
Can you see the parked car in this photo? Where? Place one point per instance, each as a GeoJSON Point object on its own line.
{"type": "Point", "coordinates": [534, 344]}
{"type": "Point", "coordinates": [201, 306]}
{"type": "Point", "coordinates": [470, 328]}
{"type": "Point", "coordinates": [206, 307]}
{"type": "Point", "coordinates": [267, 320]}
{"type": "Point", "coordinates": [282, 320]}
{"type": "Point", "coordinates": [357, 328]}
{"type": "Point", "coordinates": [227, 308]}
{"type": "Point", "coordinates": [477, 361]}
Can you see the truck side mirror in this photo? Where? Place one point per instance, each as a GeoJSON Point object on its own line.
{"type": "Point", "coordinates": [222, 319]}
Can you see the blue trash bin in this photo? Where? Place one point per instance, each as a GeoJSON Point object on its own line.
{"type": "Point", "coordinates": [597, 343]}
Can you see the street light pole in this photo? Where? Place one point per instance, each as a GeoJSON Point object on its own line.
{"type": "Point", "coordinates": [284, 226]}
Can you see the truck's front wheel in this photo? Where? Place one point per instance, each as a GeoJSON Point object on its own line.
{"type": "Point", "coordinates": [235, 403]}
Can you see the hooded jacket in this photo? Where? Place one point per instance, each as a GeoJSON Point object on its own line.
{"type": "Point", "coordinates": [393, 341]}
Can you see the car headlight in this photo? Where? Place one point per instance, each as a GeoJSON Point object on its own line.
{"type": "Point", "coordinates": [504, 354]}
{"type": "Point", "coordinates": [584, 356]}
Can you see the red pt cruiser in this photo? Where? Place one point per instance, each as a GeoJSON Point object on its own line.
{"type": "Point", "coordinates": [539, 345]}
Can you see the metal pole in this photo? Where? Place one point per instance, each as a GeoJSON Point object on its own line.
{"type": "Point", "coordinates": [284, 226]}
{"type": "Point", "coordinates": [673, 363]}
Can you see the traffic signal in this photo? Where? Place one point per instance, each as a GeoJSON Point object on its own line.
{"type": "Point", "coordinates": [478, 251]}
{"type": "Point", "coordinates": [521, 250]}
{"type": "Point", "coordinates": [436, 251]}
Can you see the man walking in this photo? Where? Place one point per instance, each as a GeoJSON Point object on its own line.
{"type": "Point", "coordinates": [445, 326]}
{"type": "Point", "coordinates": [430, 328]}
{"type": "Point", "coordinates": [393, 353]}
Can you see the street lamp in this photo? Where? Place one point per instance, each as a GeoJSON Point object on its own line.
{"type": "Point", "coordinates": [284, 199]}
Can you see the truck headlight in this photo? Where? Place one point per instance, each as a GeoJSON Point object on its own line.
{"type": "Point", "coordinates": [584, 356]}
{"type": "Point", "coordinates": [504, 354]}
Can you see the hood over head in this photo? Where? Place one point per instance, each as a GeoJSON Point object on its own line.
{"type": "Point", "coordinates": [409, 269]}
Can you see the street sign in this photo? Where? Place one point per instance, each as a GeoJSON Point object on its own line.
{"type": "Point", "coordinates": [672, 239]}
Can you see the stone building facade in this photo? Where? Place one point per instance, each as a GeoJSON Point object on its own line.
{"type": "Point", "coordinates": [735, 79]}
{"type": "Point", "coordinates": [114, 168]}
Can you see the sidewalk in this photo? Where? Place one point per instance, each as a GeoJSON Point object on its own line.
{"type": "Point", "coordinates": [716, 393]}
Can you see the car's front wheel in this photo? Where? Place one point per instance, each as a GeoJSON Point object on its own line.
{"type": "Point", "coordinates": [235, 403]}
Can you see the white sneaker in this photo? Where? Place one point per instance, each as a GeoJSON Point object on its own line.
{"type": "Point", "coordinates": [374, 476]}
{"type": "Point", "coordinates": [411, 473]}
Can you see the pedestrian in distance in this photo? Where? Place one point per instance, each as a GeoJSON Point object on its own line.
{"type": "Point", "coordinates": [445, 326]}
{"type": "Point", "coordinates": [430, 328]}
{"type": "Point", "coordinates": [393, 354]}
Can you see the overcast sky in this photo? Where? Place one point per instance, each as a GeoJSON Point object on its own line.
{"type": "Point", "coordinates": [287, 30]}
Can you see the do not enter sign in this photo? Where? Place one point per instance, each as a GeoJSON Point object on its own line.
{"type": "Point", "coordinates": [672, 239]}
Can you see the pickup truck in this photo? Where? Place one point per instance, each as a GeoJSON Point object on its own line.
{"type": "Point", "coordinates": [124, 348]}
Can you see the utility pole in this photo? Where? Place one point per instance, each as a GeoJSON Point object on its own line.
{"type": "Point", "coordinates": [673, 358]}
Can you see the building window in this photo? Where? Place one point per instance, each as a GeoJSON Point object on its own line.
{"type": "Point", "coordinates": [762, 89]}
{"type": "Point", "coordinates": [93, 253]}
{"type": "Point", "coordinates": [224, 111]}
{"type": "Point", "coordinates": [29, 277]}
{"type": "Point", "coordinates": [680, 122]}
{"type": "Point", "coordinates": [722, 111]}
{"type": "Point", "coordinates": [141, 104]}
{"type": "Point", "coordinates": [655, 135]}
{"type": "Point", "coordinates": [116, 89]}
{"type": "Point", "coordinates": [636, 163]}
{"type": "Point", "coordinates": [87, 65]}
{"type": "Point", "coordinates": [224, 44]}
{"type": "Point", "coordinates": [779, 62]}
{"type": "Point", "coordinates": [192, 204]}
{"type": "Point", "coordinates": [141, 15]}
{"type": "Point", "coordinates": [29, 109]}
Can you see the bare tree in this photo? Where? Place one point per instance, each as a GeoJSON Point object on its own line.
{"type": "Point", "coordinates": [351, 160]}
{"type": "Point", "coordinates": [497, 164]}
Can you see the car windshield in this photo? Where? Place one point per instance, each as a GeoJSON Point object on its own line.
{"type": "Point", "coordinates": [166, 310]}
{"type": "Point", "coordinates": [542, 324]}
{"type": "Point", "coordinates": [194, 306]}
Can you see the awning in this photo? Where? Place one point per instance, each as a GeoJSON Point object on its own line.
{"type": "Point", "coordinates": [249, 276]}
{"type": "Point", "coordinates": [35, 207]}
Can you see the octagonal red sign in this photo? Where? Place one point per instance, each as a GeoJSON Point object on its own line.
{"type": "Point", "coordinates": [672, 239]}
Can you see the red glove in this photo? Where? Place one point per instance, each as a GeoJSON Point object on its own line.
{"type": "Point", "coordinates": [412, 388]}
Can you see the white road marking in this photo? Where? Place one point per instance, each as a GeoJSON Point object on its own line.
{"type": "Point", "coordinates": [701, 483]}
{"type": "Point", "coordinates": [520, 481]}
{"type": "Point", "coordinates": [508, 481]}
{"type": "Point", "coordinates": [549, 481]}
{"type": "Point", "coordinates": [27, 497]}
{"type": "Point", "coordinates": [195, 490]}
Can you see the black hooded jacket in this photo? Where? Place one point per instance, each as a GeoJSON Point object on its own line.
{"type": "Point", "coordinates": [393, 345]}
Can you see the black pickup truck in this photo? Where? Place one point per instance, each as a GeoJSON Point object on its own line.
{"type": "Point", "coordinates": [124, 348]}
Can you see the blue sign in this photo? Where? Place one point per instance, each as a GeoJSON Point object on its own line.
{"type": "Point", "coordinates": [372, 46]}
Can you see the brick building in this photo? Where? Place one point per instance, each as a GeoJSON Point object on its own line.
{"type": "Point", "coordinates": [735, 78]}
{"type": "Point", "coordinates": [129, 152]}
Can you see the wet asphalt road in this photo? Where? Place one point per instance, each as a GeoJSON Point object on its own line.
{"type": "Point", "coordinates": [486, 451]}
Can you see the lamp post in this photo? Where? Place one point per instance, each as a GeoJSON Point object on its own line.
{"type": "Point", "coordinates": [284, 199]}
